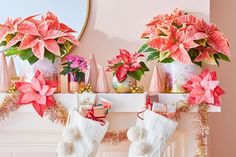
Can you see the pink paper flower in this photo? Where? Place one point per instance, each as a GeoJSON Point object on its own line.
{"type": "Point", "coordinates": [39, 92]}
{"type": "Point", "coordinates": [204, 89]}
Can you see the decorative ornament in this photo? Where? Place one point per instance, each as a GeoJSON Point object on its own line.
{"type": "Point", "coordinates": [93, 72]}
{"type": "Point", "coordinates": [12, 68]}
{"type": "Point", "coordinates": [204, 88]}
{"type": "Point", "coordinates": [12, 88]}
{"type": "Point", "coordinates": [4, 74]}
{"type": "Point", "coordinates": [102, 85]}
{"type": "Point", "coordinates": [115, 137]}
{"type": "Point", "coordinates": [38, 93]}
{"type": "Point", "coordinates": [86, 88]}
{"type": "Point", "coordinates": [136, 89]}
{"type": "Point", "coordinates": [157, 81]}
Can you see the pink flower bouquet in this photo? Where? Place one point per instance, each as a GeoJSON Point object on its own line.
{"type": "Point", "coordinates": [127, 64]}
{"type": "Point", "coordinates": [184, 38]}
{"type": "Point", "coordinates": [75, 65]}
{"type": "Point", "coordinates": [33, 39]}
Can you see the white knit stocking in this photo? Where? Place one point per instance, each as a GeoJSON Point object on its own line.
{"type": "Point", "coordinates": [150, 136]}
{"type": "Point", "coordinates": [91, 134]}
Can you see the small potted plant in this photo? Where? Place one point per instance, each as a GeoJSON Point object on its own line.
{"type": "Point", "coordinates": [39, 41]}
{"type": "Point", "coordinates": [184, 42]}
{"type": "Point", "coordinates": [75, 67]}
{"type": "Point", "coordinates": [127, 69]}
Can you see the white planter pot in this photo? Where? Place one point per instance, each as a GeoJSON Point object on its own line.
{"type": "Point", "coordinates": [50, 70]}
{"type": "Point", "coordinates": [177, 74]}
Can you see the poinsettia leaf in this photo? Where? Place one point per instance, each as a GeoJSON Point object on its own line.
{"type": "Point", "coordinates": [198, 64]}
{"type": "Point", "coordinates": [223, 57]}
{"type": "Point", "coordinates": [216, 60]}
{"type": "Point", "coordinates": [136, 74]}
{"type": "Point", "coordinates": [66, 70]}
{"type": "Point", "coordinates": [25, 54]}
{"type": "Point", "coordinates": [80, 76]}
{"type": "Point", "coordinates": [144, 66]}
{"type": "Point", "coordinates": [202, 42]}
{"type": "Point", "coordinates": [167, 60]}
{"type": "Point", "coordinates": [33, 59]}
{"type": "Point", "coordinates": [145, 46]}
{"type": "Point", "coordinates": [3, 43]}
{"type": "Point", "coordinates": [12, 51]}
{"type": "Point", "coordinates": [164, 55]}
{"type": "Point", "coordinates": [50, 56]}
{"type": "Point", "coordinates": [153, 56]}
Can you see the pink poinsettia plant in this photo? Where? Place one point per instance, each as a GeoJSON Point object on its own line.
{"type": "Point", "coordinates": [184, 38]}
{"type": "Point", "coordinates": [204, 88]}
{"type": "Point", "coordinates": [127, 63]}
{"type": "Point", "coordinates": [32, 38]}
{"type": "Point", "coordinates": [38, 93]}
{"type": "Point", "coordinates": [75, 65]}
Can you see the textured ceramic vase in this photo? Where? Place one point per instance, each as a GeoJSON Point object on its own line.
{"type": "Point", "coordinates": [123, 87]}
{"type": "Point", "coordinates": [50, 70]}
{"type": "Point", "coordinates": [176, 74]}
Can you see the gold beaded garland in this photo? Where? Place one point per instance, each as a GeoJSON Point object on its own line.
{"type": "Point", "coordinates": [86, 88]}
{"type": "Point", "coordinates": [137, 89]}
{"type": "Point", "coordinates": [12, 88]}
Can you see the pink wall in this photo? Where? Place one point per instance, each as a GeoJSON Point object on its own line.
{"type": "Point", "coordinates": [118, 24]}
{"type": "Point", "coordinates": [223, 127]}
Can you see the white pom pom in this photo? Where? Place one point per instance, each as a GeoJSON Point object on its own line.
{"type": "Point", "coordinates": [141, 148]}
{"type": "Point", "coordinates": [64, 148]}
{"type": "Point", "coordinates": [71, 134]}
{"type": "Point", "coordinates": [92, 147]}
{"type": "Point", "coordinates": [134, 133]}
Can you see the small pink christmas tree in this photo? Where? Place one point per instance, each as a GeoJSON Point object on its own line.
{"type": "Point", "coordinates": [102, 85]}
{"type": "Point", "coordinates": [5, 81]}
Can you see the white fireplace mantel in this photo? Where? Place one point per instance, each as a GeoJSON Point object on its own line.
{"type": "Point", "coordinates": [25, 134]}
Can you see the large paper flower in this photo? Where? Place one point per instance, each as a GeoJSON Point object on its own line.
{"type": "Point", "coordinates": [39, 92]}
{"type": "Point", "coordinates": [204, 88]}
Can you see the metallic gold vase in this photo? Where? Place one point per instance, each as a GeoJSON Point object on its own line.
{"type": "Point", "coordinates": [123, 87]}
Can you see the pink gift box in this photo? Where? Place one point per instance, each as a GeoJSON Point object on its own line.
{"type": "Point", "coordinates": [97, 112]}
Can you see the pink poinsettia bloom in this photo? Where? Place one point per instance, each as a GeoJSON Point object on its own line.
{"type": "Point", "coordinates": [39, 92]}
{"type": "Point", "coordinates": [40, 34]}
{"type": "Point", "coordinates": [204, 89]}
{"type": "Point", "coordinates": [181, 40]}
{"type": "Point", "coordinates": [9, 27]}
{"type": "Point", "coordinates": [123, 63]}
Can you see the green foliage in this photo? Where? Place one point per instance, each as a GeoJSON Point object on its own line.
{"type": "Point", "coordinates": [136, 74]}
{"type": "Point", "coordinates": [50, 56]}
{"type": "Point", "coordinates": [79, 75]}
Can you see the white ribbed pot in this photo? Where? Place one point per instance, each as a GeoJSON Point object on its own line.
{"type": "Point", "coordinates": [176, 74]}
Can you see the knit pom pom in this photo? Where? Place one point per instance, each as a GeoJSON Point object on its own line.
{"type": "Point", "coordinates": [141, 148]}
{"type": "Point", "coordinates": [64, 149]}
{"type": "Point", "coordinates": [134, 133]}
{"type": "Point", "coordinates": [92, 147]}
{"type": "Point", "coordinates": [71, 134]}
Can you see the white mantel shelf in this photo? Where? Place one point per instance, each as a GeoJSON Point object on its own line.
{"type": "Point", "coordinates": [120, 102]}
